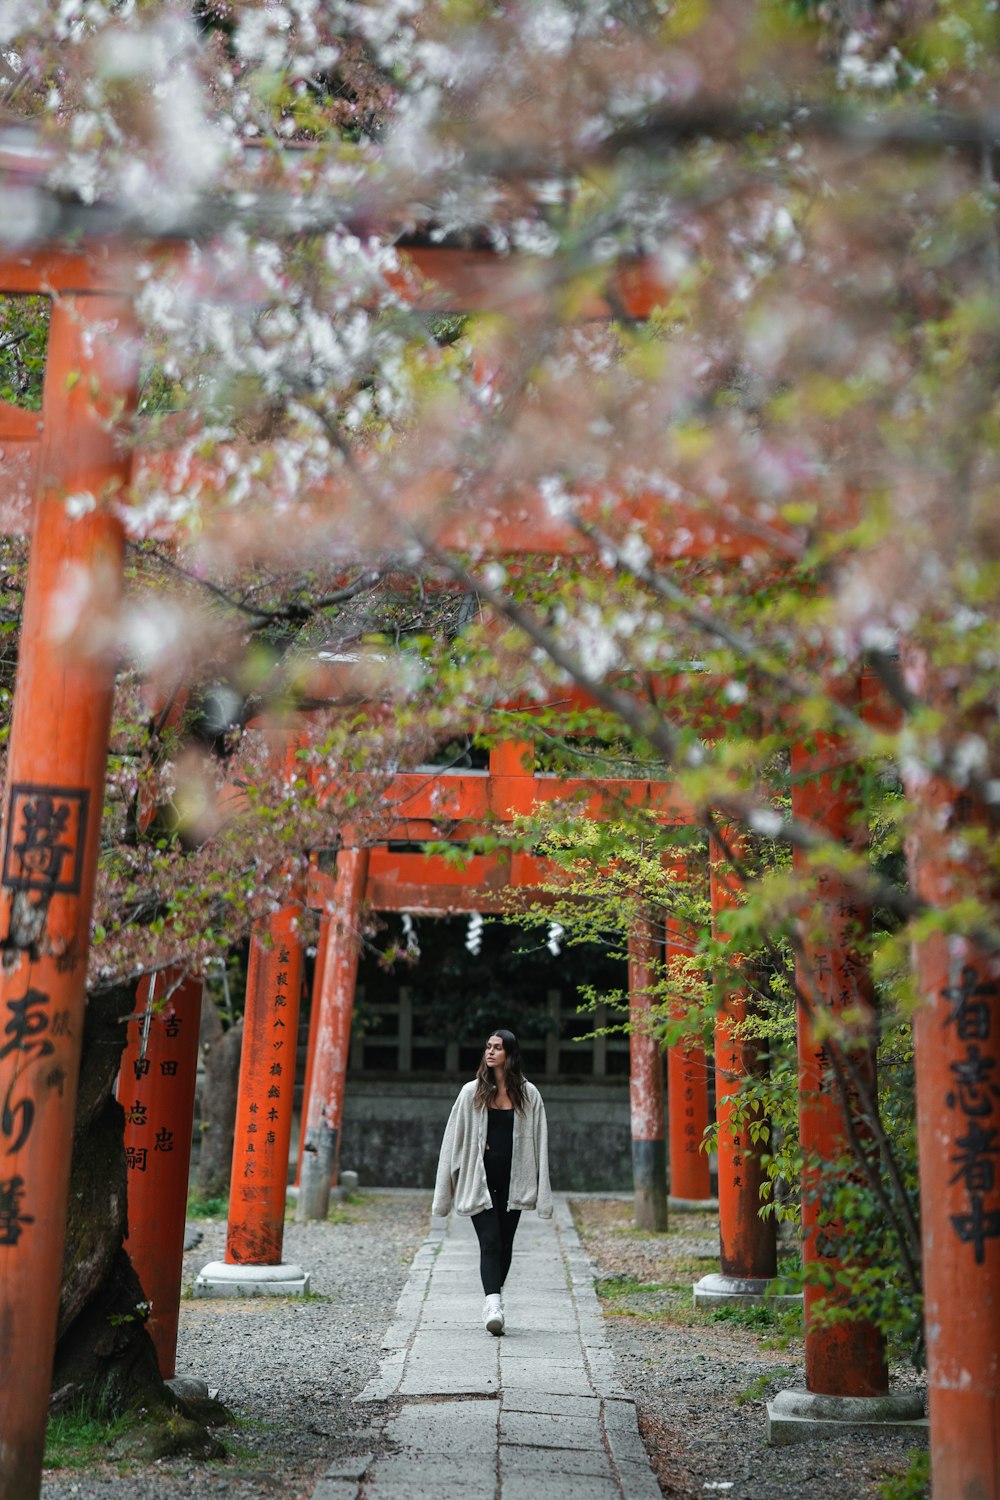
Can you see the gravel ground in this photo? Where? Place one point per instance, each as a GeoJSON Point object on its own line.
{"type": "Point", "coordinates": [701, 1383]}
{"type": "Point", "coordinates": [287, 1368]}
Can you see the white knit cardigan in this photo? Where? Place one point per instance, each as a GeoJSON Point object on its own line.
{"type": "Point", "coordinates": [461, 1175]}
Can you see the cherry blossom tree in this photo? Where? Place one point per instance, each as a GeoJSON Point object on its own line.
{"type": "Point", "coordinates": [765, 474]}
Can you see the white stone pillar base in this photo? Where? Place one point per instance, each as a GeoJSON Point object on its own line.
{"type": "Point", "coordinates": [801, 1416]}
{"type": "Point", "coordinates": [220, 1279]}
{"type": "Point", "coordinates": [716, 1290]}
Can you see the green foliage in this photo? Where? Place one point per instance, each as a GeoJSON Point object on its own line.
{"type": "Point", "coordinates": [611, 1287]}
{"type": "Point", "coordinates": [913, 1483]}
{"type": "Point", "coordinates": [207, 1208]}
{"type": "Point", "coordinates": [786, 1320]}
{"type": "Point", "coordinates": [158, 393]}
{"type": "Point", "coordinates": [79, 1440]}
{"type": "Point", "coordinates": [613, 873]}
{"type": "Point", "coordinates": [140, 1313]}
{"type": "Point", "coordinates": [348, 1209]}
{"type": "Point", "coordinates": [763, 1385]}
{"type": "Point", "coordinates": [24, 328]}
{"type": "Point", "coordinates": [626, 1296]}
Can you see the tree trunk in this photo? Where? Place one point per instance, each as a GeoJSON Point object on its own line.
{"type": "Point", "coordinates": [103, 1348]}
{"type": "Point", "coordinates": [105, 1360]}
{"type": "Point", "coordinates": [220, 1050]}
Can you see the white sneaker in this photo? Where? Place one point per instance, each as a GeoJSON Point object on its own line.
{"type": "Point", "coordinates": [493, 1314]}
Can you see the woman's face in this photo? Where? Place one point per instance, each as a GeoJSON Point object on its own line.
{"type": "Point", "coordinates": [495, 1054]}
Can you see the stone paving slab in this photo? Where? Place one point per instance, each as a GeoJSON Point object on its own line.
{"type": "Point", "coordinates": [335, 1489]}
{"type": "Point", "coordinates": [400, 1477]}
{"type": "Point", "coordinates": [447, 1427]}
{"type": "Point", "coordinates": [468, 1344]}
{"type": "Point", "coordinates": [548, 1402]}
{"type": "Point", "coordinates": [538, 1411]}
{"type": "Point", "coordinates": [531, 1330]}
{"type": "Point", "coordinates": [419, 1381]}
{"type": "Point", "coordinates": [544, 1286]}
{"type": "Point", "coordinates": [540, 1376]}
{"type": "Point", "coordinates": [580, 1462]}
{"type": "Point", "coordinates": [349, 1468]}
{"type": "Point", "coordinates": [556, 1486]}
{"type": "Point", "coordinates": [628, 1448]}
{"type": "Point", "coordinates": [619, 1416]}
{"type": "Point", "coordinates": [559, 1348]}
{"type": "Point", "coordinates": [386, 1382]}
{"type": "Point", "coordinates": [547, 1430]}
{"type": "Point", "coordinates": [637, 1479]}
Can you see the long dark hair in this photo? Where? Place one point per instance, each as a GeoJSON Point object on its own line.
{"type": "Point", "coordinates": [486, 1088]}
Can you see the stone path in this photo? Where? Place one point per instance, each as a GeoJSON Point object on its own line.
{"type": "Point", "coordinates": [539, 1410]}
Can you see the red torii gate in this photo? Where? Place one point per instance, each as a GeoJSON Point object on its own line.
{"type": "Point", "coordinates": [431, 805]}
{"type": "Point", "coordinates": [54, 785]}
{"type": "Point", "coordinates": [435, 805]}
{"type": "Point", "coordinates": [422, 883]}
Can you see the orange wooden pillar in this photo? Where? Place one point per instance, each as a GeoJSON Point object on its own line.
{"type": "Point", "coordinates": [333, 998]}
{"type": "Point", "coordinates": [512, 784]}
{"type": "Point", "coordinates": [833, 978]}
{"type": "Point", "coordinates": [957, 1049]}
{"type": "Point", "coordinates": [310, 1047]}
{"type": "Point", "coordinates": [52, 815]}
{"type": "Point", "coordinates": [259, 1184]}
{"type": "Point", "coordinates": [846, 1375]}
{"type": "Point", "coordinates": [687, 1100]}
{"type": "Point", "coordinates": [649, 1147]}
{"type": "Point", "coordinates": [748, 1260]}
{"type": "Point", "coordinates": [156, 1088]}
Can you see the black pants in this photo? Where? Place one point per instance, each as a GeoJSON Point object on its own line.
{"type": "Point", "coordinates": [496, 1228]}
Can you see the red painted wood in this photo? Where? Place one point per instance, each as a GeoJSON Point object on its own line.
{"type": "Point", "coordinates": [53, 799]}
{"type": "Point", "coordinates": [513, 787]}
{"type": "Point", "coordinates": [17, 425]}
{"type": "Point", "coordinates": [259, 1183]}
{"type": "Point", "coordinates": [97, 268]}
{"type": "Point", "coordinates": [749, 1243]}
{"type": "Point", "coordinates": [437, 276]}
{"type": "Point", "coordinates": [471, 280]}
{"type": "Point", "coordinates": [441, 901]}
{"type": "Point", "coordinates": [845, 1359]}
{"type": "Point", "coordinates": [156, 1089]}
{"type": "Point", "coordinates": [957, 1050]}
{"type": "Point", "coordinates": [523, 522]}
{"type": "Point", "coordinates": [687, 1094]}
{"type": "Point", "coordinates": [333, 997]}
{"type": "Point", "coordinates": [434, 804]}
{"type": "Point", "coordinates": [504, 525]}
{"type": "Point", "coordinates": [471, 797]}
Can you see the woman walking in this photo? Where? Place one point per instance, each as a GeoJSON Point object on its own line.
{"type": "Point", "coordinates": [494, 1162]}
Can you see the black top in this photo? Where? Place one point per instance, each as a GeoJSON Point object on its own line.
{"type": "Point", "coordinates": [499, 1137]}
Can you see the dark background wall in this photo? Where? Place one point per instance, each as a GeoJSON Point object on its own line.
{"type": "Point", "coordinates": [420, 1026]}
{"type": "Point", "coordinates": [392, 1133]}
